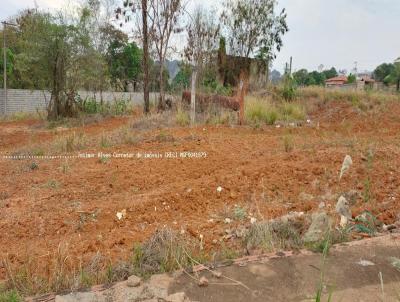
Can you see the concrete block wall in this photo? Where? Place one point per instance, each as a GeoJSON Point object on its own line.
{"type": "Point", "coordinates": [22, 100]}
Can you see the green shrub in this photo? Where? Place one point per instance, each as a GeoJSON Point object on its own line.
{"type": "Point", "coordinates": [289, 89]}
{"type": "Point", "coordinates": [120, 107]}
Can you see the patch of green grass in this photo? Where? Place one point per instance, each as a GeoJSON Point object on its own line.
{"type": "Point", "coordinates": [292, 112]}
{"type": "Point", "coordinates": [239, 213]}
{"type": "Point", "coordinates": [9, 296]}
{"type": "Point", "coordinates": [259, 112]}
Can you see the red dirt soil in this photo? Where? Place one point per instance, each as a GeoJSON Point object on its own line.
{"type": "Point", "coordinates": [250, 165]}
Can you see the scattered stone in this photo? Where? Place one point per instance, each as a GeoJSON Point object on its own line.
{"type": "Point", "coordinates": [121, 215]}
{"type": "Point", "coordinates": [219, 189]}
{"type": "Point", "coordinates": [227, 220]}
{"type": "Point", "coordinates": [321, 205]}
{"type": "Point", "coordinates": [343, 209]}
{"type": "Point", "coordinates": [389, 227]}
{"type": "Point", "coordinates": [133, 281]}
{"type": "Point", "coordinates": [177, 297]}
{"type": "Point", "coordinates": [253, 220]}
{"type": "Point", "coordinates": [347, 162]}
{"type": "Point", "coordinates": [365, 263]}
{"type": "Point", "coordinates": [217, 274]}
{"type": "Point", "coordinates": [320, 225]}
{"type": "Point", "coordinates": [203, 282]}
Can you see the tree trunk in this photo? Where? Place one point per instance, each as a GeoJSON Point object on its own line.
{"type": "Point", "coordinates": [161, 101]}
{"type": "Point", "coordinates": [146, 93]}
{"type": "Point", "coordinates": [193, 98]}
{"type": "Point", "coordinates": [398, 85]}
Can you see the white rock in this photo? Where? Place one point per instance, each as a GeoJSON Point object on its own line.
{"type": "Point", "coordinates": [227, 220]}
{"type": "Point", "coordinates": [121, 215]}
{"type": "Point", "coordinates": [219, 189]}
{"type": "Point", "coordinates": [365, 263]}
{"type": "Point", "coordinates": [133, 281]}
{"type": "Point", "coordinates": [253, 220]}
{"type": "Point", "coordinates": [203, 282]}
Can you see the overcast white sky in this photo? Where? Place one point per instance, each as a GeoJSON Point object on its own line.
{"type": "Point", "coordinates": [333, 33]}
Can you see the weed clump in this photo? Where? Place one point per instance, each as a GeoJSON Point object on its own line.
{"type": "Point", "coordinates": [278, 235]}
{"type": "Point", "coordinates": [165, 251]}
{"type": "Point", "coordinates": [258, 112]}
{"type": "Point", "coordinates": [71, 142]}
{"type": "Point", "coordinates": [182, 118]}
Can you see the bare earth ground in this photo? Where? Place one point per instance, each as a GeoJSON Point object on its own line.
{"type": "Point", "coordinates": [43, 208]}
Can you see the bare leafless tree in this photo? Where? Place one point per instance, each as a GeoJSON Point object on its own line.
{"type": "Point", "coordinates": [164, 17]}
{"type": "Point", "coordinates": [203, 32]}
{"type": "Point", "coordinates": [136, 11]}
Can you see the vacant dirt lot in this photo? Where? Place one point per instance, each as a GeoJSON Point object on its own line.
{"type": "Point", "coordinates": [46, 204]}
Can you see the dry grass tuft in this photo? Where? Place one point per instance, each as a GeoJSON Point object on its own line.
{"type": "Point", "coordinates": [274, 236]}
{"type": "Point", "coordinates": [165, 251]}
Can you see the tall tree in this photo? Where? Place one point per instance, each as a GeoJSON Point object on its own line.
{"type": "Point", "coordinates": [57, 51]}
{"type": "Point", "coordinates": [202, 41]}
{"type": "Point", "coordinates": [301, 77]}
{"type": "Point", "coordinates": [254, 28]}
{"type": "Point", "coordinates": [146, 57]}
{"type": "Point", "coordinates": [382, 71]}
{"type": "Point", "coordinates": [137, 11]}
{"type": "Point", "coordinates": [165, 17]}
{"type": "Point", "coordinates": [330, 73]}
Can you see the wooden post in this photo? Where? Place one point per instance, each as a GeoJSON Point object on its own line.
{"type": "Point", "coordinates": [241, 102]}
{"type": "Point", "coordinates": [193, 98]}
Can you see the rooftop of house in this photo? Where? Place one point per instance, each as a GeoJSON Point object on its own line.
{"type": "Point", "coordinates": [337, 79]}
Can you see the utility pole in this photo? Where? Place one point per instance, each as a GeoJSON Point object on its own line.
{"type": "Point", "coordinates": [356, 69]}
{"type": "Point", "coordinates": [5, 64]}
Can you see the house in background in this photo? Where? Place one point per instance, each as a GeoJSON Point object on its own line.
{"type": "Point", "coordinates": [366, 82]}
{"type": "Point", "coordinates": [336, 81]}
